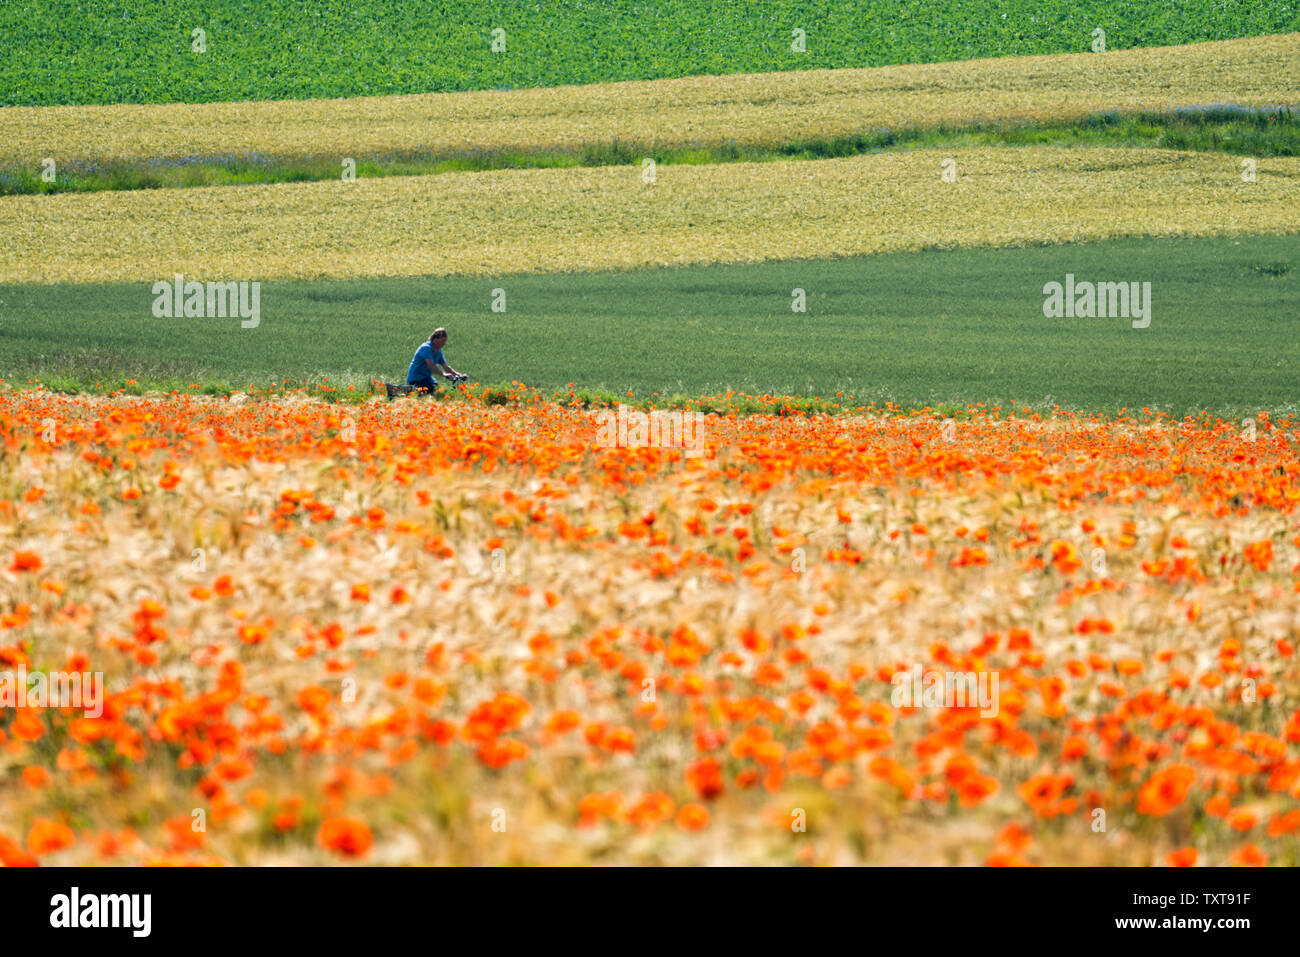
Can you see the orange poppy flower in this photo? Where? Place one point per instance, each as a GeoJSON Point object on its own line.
{"type": "Point", "coordinates": [26, 562]}
{"type": "Point", "coordinates": [693, 817]}
{"type": "Point", "coordinates": [47, 836]}
{"type": "Point", "coordinates": [1165, 790]}
{"type": "Point", "coordinates": [348, 836]}
{"type": "Point", "coordinates": [1183, 857]}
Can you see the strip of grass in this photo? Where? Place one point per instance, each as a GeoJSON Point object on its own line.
{"type": "Point", "coordinates": [123, 51]}
{"type": "Point", "coordinates": [1224, 129]}
{"type": "Point", "coordinates": [937, 329]}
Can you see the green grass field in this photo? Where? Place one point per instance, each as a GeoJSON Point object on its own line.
{"type": "Point", "coordinates": [917, 329]}
{"type": "Point", "coordinates": [118, 51]}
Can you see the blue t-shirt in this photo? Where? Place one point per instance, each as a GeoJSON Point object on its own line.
{"type": "Point", "coordinates": [419, 371]}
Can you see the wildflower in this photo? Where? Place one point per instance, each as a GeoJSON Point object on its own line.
{"type": "Point", "coordinates": [1165, 790]}
{"type": "Point", "coordinates": [47, 836]}
{"type": "Point", "coordinates": [26, 562]}
{"type": "Point", "coordinates": [345, 835]}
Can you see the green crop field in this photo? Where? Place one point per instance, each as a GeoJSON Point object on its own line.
{"type": "Point", "coordinates": [915, 328]}
{"type": "Point", "coordinates": [115, 51]}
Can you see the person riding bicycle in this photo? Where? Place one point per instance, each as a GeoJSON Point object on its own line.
{"type": "Point", "coordinates": [427, 359]}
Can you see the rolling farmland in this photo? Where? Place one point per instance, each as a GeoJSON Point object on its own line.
{"type": "Point", "coordinates": [763, 437]}
{"type": "Point", "coordinates": [766, 109]}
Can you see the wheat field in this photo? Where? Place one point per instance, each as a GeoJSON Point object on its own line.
{"type": "Point", "coordinates": [489, 223]}
{"type": "Point", "coordinates": [707, 111]}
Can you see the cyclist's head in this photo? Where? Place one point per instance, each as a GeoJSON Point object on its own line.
{"type": "Point", "coordinates": [439, 336]}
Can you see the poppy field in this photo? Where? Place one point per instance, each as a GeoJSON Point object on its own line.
{"type": "Point", "coordinates": [480, 633]}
